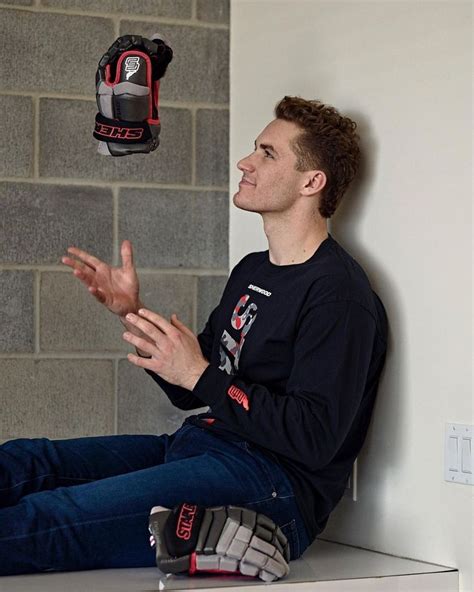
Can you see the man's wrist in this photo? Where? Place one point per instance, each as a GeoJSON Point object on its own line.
{"type": "Point", "coordinates": [123, 318]}
{"type": "Point", "coordinates": [196, 374]}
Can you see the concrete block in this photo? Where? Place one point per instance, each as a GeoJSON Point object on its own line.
{"type": "Point", "coordinates": [73, 320]}
{"type": "Point", "coordinates": [58, 56]}
{"type": "Point", "coordinates": [214, 11]}
{"type": "Point", "coordinates": [180, 9]}
{"type": "Point", "coordinates": [212, 147]}
{"type": "Point", "coordinates": [18, 2]}
{"type": "Point", "coordinates": [56, 398]}
{"type": "Point", "coordinates": [143, 407]}
{"type": "Point", "coordinates": [16, 148]}
{"type": "Point", "coordinates": [200, 67]}
{"type": "Point", "coordinates": [16, 311]}
{"type": "Point", "coordinates": [166, 294]}
{"type": "Point", "coordinates": [39, 222]}
{"type": "Point", "coordinates": [71, 150]}
{"type": "Point", "coordinates": [209, 292]}
{"type": "Point", "coordinates": [174, 228]}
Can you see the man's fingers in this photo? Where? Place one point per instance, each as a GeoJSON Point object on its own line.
{"type": "Point", "coordinates": [180, 325]}
{"type": "Point", "coordinates": [89, 260]}
{"type": "Point", "coordinates": [80, 270]}
{"type": "Point", "coordinates": [157, 320]}
{"type": "Point", "coordinates": [76, 265]}
{"type": "Point", "coordinates": [84, 273]}
{"type": "Point", "coordinates": [142, 362]}
{"type": "Point", "coordinates": [98, 294]}
{"type": "Point", "coordinates": [146, 327]}
{"type": "Point", "coordinates": [140, 343]}
{"type": "Point", "coordinates": [126, 253]}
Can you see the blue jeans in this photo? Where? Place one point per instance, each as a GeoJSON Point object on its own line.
{"type": "Point", "coordinates": [83, 503]}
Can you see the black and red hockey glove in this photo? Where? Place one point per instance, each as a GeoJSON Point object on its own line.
{"type": "Point", "coordinates": [127, 89]}
{"type": "Point", "coordinates": [225, 539]}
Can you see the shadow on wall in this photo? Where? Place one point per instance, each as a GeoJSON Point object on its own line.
{"type": "Point", "coordinates": [384, 437]}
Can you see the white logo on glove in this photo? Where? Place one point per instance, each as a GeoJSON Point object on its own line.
{"type": "Point", "coordinates": [132, 64]}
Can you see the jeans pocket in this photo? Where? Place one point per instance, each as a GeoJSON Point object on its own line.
{"type": "Point", "coordinates": [264, 467]}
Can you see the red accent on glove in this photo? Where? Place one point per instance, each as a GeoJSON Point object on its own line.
{"type": "Point", "coordinates": [146, 57]}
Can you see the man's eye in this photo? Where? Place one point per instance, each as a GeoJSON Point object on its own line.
{"type": "Point", "coordinates": [267, 154]}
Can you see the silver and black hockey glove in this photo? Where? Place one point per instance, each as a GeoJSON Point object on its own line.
{"type": "Point", "coordinates": [127, 89]}
{"type": "Point", "coordinates": [225, 539]}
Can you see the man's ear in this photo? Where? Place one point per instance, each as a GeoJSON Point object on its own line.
{"type": "Point", "coordinates": [314, 182]}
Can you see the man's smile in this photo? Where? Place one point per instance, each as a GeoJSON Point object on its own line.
{"type": "Point", "coordinates": [245, 181]}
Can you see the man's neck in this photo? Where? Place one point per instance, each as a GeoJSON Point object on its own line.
{"type": "Point", "coordinates": [292, 247]}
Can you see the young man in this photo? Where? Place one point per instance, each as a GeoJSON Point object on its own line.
{"type": "Point", "coordinates": [288, 364]}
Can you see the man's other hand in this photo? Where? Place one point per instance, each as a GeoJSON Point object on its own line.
{"type": "Point", "coordinates": [174, 350]}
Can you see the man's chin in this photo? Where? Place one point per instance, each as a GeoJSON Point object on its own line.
{"type": "Point", "coordinates": [240, 203]}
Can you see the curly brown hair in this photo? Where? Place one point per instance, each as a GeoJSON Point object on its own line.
{"type": "Point", "coordinates": [327, 142]}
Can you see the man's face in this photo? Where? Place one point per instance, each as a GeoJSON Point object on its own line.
{"type": "Point", "coordinates": [269, 181]}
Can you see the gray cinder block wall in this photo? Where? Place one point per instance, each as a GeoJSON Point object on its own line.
{"type": "Point", "coordinates": [63, 366]}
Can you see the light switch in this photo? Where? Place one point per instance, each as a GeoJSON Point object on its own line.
{"type": "Point", "coordinates": [453, 453]}
{"type": "Point", "coordinates": [458, 460]}
{"type": "Point", "coordinates": [466, 456]}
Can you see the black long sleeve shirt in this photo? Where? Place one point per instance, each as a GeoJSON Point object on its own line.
{"type": "Point", "coordinates": [296, 353]}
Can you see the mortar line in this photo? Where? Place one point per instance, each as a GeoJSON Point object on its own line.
{"type": "Point", "coordinates": [145, 270]}
{"type": "Point", "coordinates": [36, 137]}
{"type": "Point", "coordinates": [193, 145]}
{"type": "Point", "coordinates": [115, 363]}
{"type": "Point", "coordinates": [110, 184]}
{"type": "Point", "coordinates": [61, 355]}
{"type": "Point", "coordinates": [195, 305]}
{"type": "Point", "coordinates": [36, 304]}
{"type": "Point", "coordinates": [115, 248]}
{"type": "Point", "coordinates": [171, 104]}
{"type": "Point", "coordinates": [121, 15]}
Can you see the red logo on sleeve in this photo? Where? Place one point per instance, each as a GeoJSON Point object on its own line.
{"type": "Point", "coordinates": [239, 396]}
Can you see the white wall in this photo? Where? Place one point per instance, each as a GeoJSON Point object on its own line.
{"type": "Point", "coordinates": [402, 70]}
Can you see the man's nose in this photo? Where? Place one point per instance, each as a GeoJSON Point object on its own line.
{"type": "Point", "coordinates": [245, 164]}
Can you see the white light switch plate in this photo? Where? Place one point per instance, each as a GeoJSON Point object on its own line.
{"type": "Point", "coordinates": [458, 453]}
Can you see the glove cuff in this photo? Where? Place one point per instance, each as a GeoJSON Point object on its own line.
{"type": "Point", "coordinates": [121, 132]}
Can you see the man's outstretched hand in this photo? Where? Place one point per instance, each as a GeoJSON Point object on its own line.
{"type": "Point", "coordinates": [115, 287]}
{"type": "Point", "coordinates": [169, 349]}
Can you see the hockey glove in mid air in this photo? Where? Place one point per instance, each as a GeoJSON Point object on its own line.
{"type": "Point", "coordinates": [127, 89]}
{"type": "Point", "coordinates": [224, 539]}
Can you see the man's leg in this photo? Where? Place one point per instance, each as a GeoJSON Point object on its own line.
{"type": "Point", "coordinates": [29, 465]}
{"type": "Point", "coordinates": [104, 524]}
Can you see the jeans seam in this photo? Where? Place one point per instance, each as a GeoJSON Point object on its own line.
{"type": "Point", "coordinates": [77, 478]}
{"type": "Point", "coordinates": [36, 532]}
{"type": "Point", "coordinates": [263, 467]}
{"type": "Point", "coordinates": [42, 477]}
{"type": "Point", "coordinates": [115, 453]}
{"type": "Point", "coordinates": [27, 481]}
{"type": "Point", "coordinates": [265, 499]}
